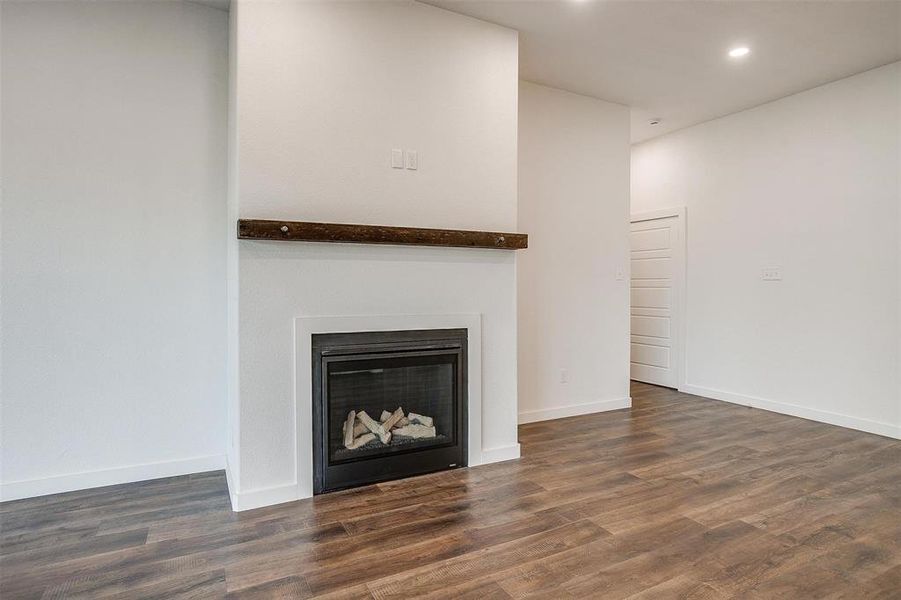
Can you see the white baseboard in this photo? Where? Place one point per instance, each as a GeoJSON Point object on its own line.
{"type": "Point", "coordinates": [15, 490]}
{"type": "Point", "coordinates": [493, 455]}
{"type": "Point", "coordinates": [290, 492]}
{"type": "Point", "coordinates": [812, 414]}
{"type": "Point", "coordinates": [278, 494]}
{"type": "Point", "coordinates": [231, 484]}
{"type": "Point", "coordinates": [573, 410]}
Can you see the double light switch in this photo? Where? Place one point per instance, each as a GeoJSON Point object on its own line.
{"type": "Point", "coordinates": [401, 159]}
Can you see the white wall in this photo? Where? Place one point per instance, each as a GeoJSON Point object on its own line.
{"type": "Point", "coordinates": [233, 410]}
{"type": "Point", "coordinates": [809, 183]}
{"type": "Point", "coordinates": [113, 282]}
{"type": "Point", "coordinates": [328, 89]}
{"type": "Point", "coordinates": [323, 97]}
{"type": "Point", "coordinates": [574, 203]}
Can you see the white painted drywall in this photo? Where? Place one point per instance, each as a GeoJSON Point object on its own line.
{"type": "Point", "coordinates": [233, 410]}
{"type": "Point", "coordinates": [113, 282]}
{"type": "Point", "coordinates": [574, 203]}
{"type": "Point", "coordinates": [809, 183]}
{"type": "Point", "coordinates": [325, 91]}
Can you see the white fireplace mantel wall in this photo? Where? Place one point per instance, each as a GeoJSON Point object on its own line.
{"type": "Point", "coordinates": [320, 94]}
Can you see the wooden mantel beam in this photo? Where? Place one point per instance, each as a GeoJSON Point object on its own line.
{"type": "Point", "coordinates": [301, 231]}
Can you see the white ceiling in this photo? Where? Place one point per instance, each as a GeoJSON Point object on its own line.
{"type": "Point", "coordinates": [668, 59]}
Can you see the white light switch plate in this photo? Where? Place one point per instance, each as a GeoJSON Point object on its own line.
{"type": "Point", "coordinates": [397, 158]}
{"type": "Point", "coordinates": [412, 160]}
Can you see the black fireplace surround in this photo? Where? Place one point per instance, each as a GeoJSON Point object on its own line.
{"type": "Point", "coordinates": [418, 371]}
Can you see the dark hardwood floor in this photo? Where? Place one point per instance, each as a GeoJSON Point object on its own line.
{"type": "Point", "coordinates": [679, 497]}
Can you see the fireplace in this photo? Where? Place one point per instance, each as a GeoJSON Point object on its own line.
{"type": "Point", "coordinates": [387, 405]}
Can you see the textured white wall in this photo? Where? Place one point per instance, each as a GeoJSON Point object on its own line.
{"type": "Point", "coordinates": [325, 91]}
{"type": "Point", "coordinates": [113, 282]}
{"type": "Point", "coordinates": [809, 183]}
{"type": "Point", "coordinates": [574, 202]}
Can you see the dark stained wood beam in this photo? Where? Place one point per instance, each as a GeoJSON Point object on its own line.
{"type": "Point", "coordinates": [346, 233]}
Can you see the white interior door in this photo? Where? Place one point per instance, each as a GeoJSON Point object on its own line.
{"type": "Point", "coordinates": [655, 266]}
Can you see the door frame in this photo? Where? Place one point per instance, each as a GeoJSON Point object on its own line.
{"type": "Point", "coordinates": [679, 284]}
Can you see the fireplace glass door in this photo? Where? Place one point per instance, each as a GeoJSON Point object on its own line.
{"type": "Point", "coordinates": [387, 405]}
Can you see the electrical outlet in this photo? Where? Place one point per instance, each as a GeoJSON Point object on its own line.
{"type": "Point", "coordinates": [771, 274]}
{"type": "Point", "coordinates": [564, 376]}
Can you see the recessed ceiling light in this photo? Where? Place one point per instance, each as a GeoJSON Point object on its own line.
{"type": "Point", "coordinates": [739, 52]}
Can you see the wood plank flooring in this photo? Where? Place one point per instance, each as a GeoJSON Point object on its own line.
{"type": "Point", "coordinates": [679, 497]}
